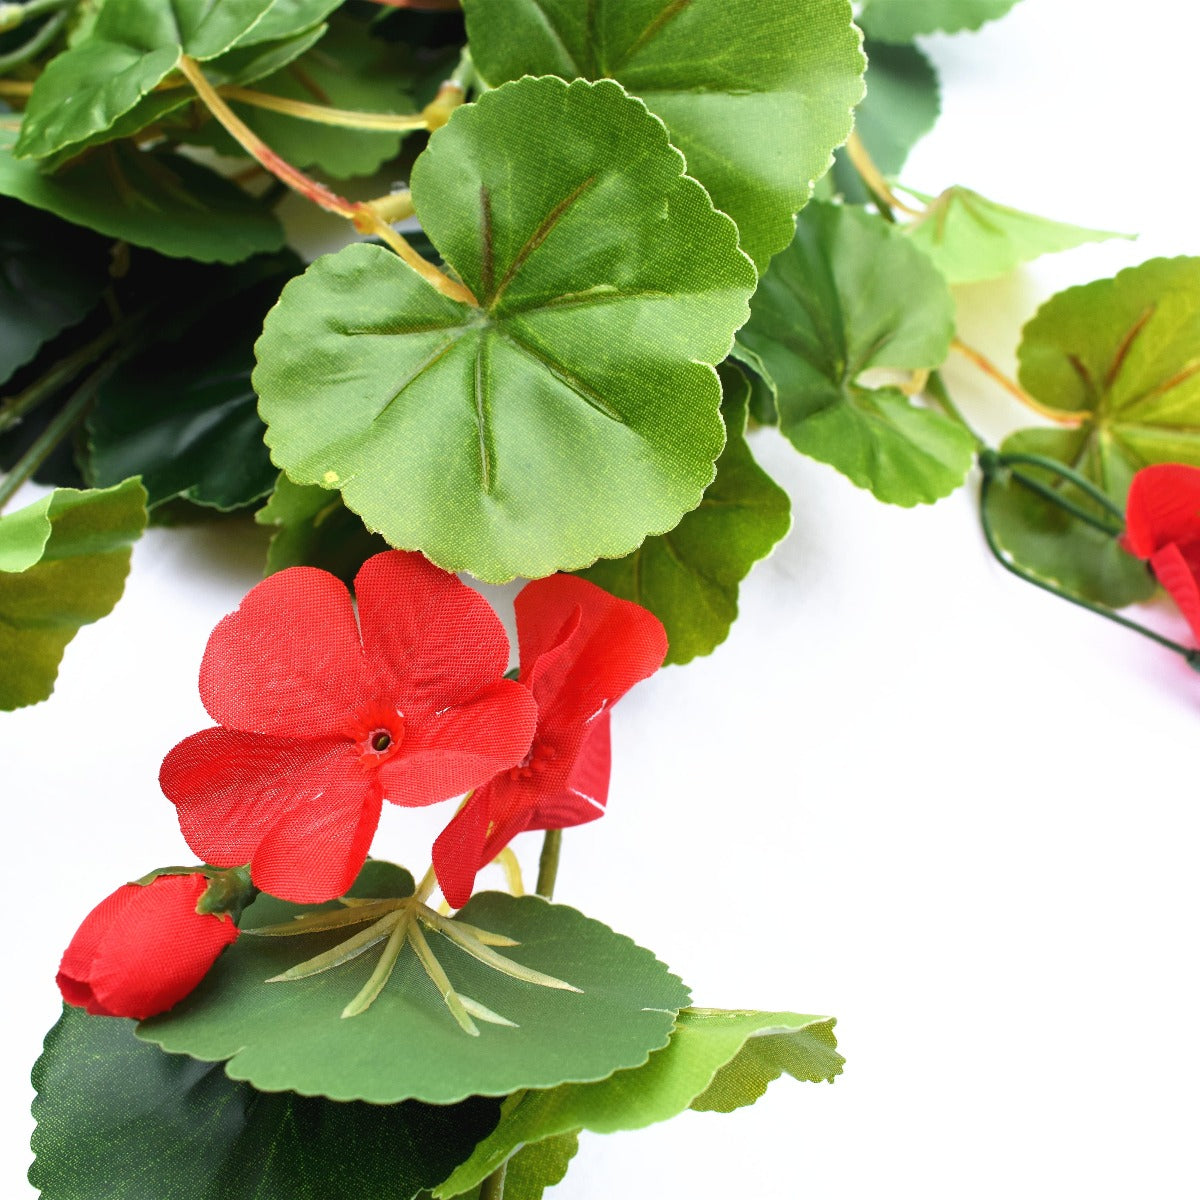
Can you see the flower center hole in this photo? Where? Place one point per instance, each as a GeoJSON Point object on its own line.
{"type": "Point", "coordinates": [381, 740]}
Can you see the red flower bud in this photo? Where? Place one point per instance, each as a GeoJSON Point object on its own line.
{"type": "Point", "coordinates": [143, 949]}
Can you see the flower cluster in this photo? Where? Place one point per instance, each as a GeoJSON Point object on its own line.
{"type": "Point", "coordinates": [328, 706]}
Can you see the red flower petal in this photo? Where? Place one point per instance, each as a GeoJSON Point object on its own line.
{"type": "Point", "coordinates": [302, 813]}
{"type": "Point", "coordinates": [143, 949]}
{"type": "Point", "coordinates": [1163, 507]}
{"type": "Point", "coordinates": [453, 751]}
{"type": "Point", "coordinates": [1178, 576]}
{"type": "Point", "coordinates": [458, 850]}
{"type": "Point", "coordinates": [586, 792]}
{"type": "Point", "coordinates": [288, 661]}
{"type": "Point", "coordinates": [430, 641]}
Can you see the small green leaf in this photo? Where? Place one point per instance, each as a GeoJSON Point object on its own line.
{"type": "Point", "coordinates": [406, 1045]}
{"type": "Point", "coordinates": [134, 45]}
{"type": "Point", "coordinates": [42, 294]}
{"type": "Point", "coordinates": [183, 415]}
{"type": "Point", "coordinates": [315, 529]}
{"type": "Point", "coordinates": [851, 294]}
{"type": "Point", "coordinates": [149, 198]}
{"type": "Point", "coordinates": [285, 19]}
{"type": "Point", "coordinates": [63, 562]}
{"type": "Point", "coordinates": [1122, 357]}
{"type": "Point", "coordinates": [716, 1060]}
{"type": "Point", "coordinates": [534, 1168]}
{"type": "Point", "coordinates": [970, 238]}
{"type": "Point", "coordinates": [576, 410]}
{"type": "Point", "coordinates": [119, 1119]}
{"type": "Point", "coordinates": [901, 106]}
{"type": "Point", "coordinates": [689, 577]}
{"type": "Point", "coordinates": [755, 95]}
{"type": "Point", "coordinates": [903, 20]}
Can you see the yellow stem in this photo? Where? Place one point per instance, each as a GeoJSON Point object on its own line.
{"type": "Point", "coordinates": [872, 176]}
{"type": "Point", "coordinates": [324, 115]}
{"type": "Point", "coordinates": [425, 887]}
{"type": "Point", "coordinates": [15, 87]}
{"type": "Point", "coordinates": [1014, 389]}
{"type": "Point", "coordinates": [363, 216]}
{"type": "Point", "coordinates": [441, 108]}
{"type": "Point", "coordinates": [396, 206]}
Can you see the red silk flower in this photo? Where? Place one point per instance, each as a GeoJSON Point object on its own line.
{"type": "Point", "coordinates": [1162, 525]}
{"type": "Point", "coordinates": [322, 719]}
{"type": "Point", "coordinates": [143, 949]}
{"type": "Point", "coordinates": [581, 651]}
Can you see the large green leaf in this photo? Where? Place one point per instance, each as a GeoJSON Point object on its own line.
{"type": "Point", "coordinates": [1122, 358]}
{"type": "Point", "coordinates": [716, 1060]}
{"type": "Point", "coordinates": [313, 528]}
{"type": "Point", "coordinates": [285, 19]}
{"type": "Point", "coordinates": [971, 238]}
{"type": "Point", "coordinates": [901, 106]}
{"type": "Point", "coordinates": [133, 47]}
{"type": "Point", "coordinates": [183, 414]}
{"type": "Point", "coordinates": [119, 1119]}
{"type": "Point", "coordinates": [63, 562]}
{"type": "Point", "coordinates": [689, 577]}
{"type": "Point", "coordinates": [42, 294]}
{"type": "Point", "coordinates": [756, 95]}
{"type": "Point", "coordinates": [848, 295]}
{"type": "Point", "coordinates": [903, 20]}
{"type": "Point", "coordinates": [573, 412]}
{"type": "Point", "coordinates": [291, 1035]}
{"type": "Point", "coordinates": [150, 198]}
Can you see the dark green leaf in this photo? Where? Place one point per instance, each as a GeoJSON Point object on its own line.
{"type": "Point", "coordinates": [901, 106]}
{"type": "Point", "coordinates": [851, 294]}
{"type": "Point", "coordinates": [119, 1119]}
{"type": "Point", "coordinates": [315, 529]}
{"type": "Point", "coordinates": [716, 1060]}
{"type": "Point", "coordinates": [970, 238]}
{"type": "Point", "coordinates": [150, 198]}
{"type": "Point", "coordinates": [63, 562]}
{"type": "Point", "coordinates": [575, 411]}
{"type": "Point", "coordinates": [689, 577]}
{"type": "Point", "coordinates": [1120, 358]}
{"type": "Point", "coordinates": [134, 45]}
{"type": "Point", "coordinates": [756, 96]}
{"type": "Point", "coordinates": [406, 1045]}
{"type": "Point", "coordinates": [903, 20]}
{"type": "Point", "coordinates": [41, 294]}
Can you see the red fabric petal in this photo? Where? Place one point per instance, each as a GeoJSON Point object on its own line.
{"type": "Point", "coordinates": [144, 948]}
{"type": "Point", "coordinates": [430, 640]}
{"type": "Point", "coordinates": [1163, 507]}
{"type": "Point", "coordinates": [458, 850]}
{"type": "Point", "coordinates": [585, 794]}
{"type": "Point", "coordinates": [302, 813]}
{"type": "Point", "coordinates": [450, 752]}
{"type": "Point", "coordinates": [288, 661]}
{"type": "Point", "coordinates": [1178, 576]}
{"type": "Point", "coordinates": [576, 667]}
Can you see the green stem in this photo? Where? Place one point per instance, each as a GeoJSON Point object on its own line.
{"type": "Point", "coordinates": [1055, 467]}
{"type": "Point", "coordinates": [548, 863]}
{"type": "Point", "coordinates": [72, 413]}
{"type": "Point", "coordinates": [44, 36]}
{"type": "Point", "coordinates": [1192, 656]}
{"type": "Point", "coordinates": [936, 387]}
{"type": "Point", "coordinates": [1055, 497]}
{"type": "Point", "coordinates": [493, 1185]}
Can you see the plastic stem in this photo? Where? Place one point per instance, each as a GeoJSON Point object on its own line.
{"type": "Point", "coordinates": [1014, 389]}
{"type": "Point", "coordinates": [872, 177]}
{"type": "Point", "coordinates": [1060, 469]}
{"type": "Point", "coordinates": [548, 863]}
{"type": "Point", "coordinates": [324, 115]}
{"type": "Point", "coordinates": [935, 385]}
{"type": "Point", "coordinates": [493, 1185]}
{"type": "Point", "coordinates": [36, 44]}
{"type": "Point", "coordinates": [1052, 496]}
{"type": "Point", "coordinates": [13, 16]}
{"type": "Point", "coordinates": [1191, 656]}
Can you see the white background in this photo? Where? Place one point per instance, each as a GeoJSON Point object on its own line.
{"type": "Point", "coordinates": [910, 790]}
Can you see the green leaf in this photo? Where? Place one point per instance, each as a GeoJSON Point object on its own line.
{"type": "Point", "coordinates": [534, 1168]}
{"type": "Point", "coordinates": [406, 1045]}
{"type": "Point", "coordinates": [755, 95]}
{"type": "Point", "coordinates": [903, 20]}
{"type": "Point", "coordinates": [901, 106]}
{"type": "Point", "coordinates": [150, 198]}
{"type": "Point", "coordinates": [576, 410]}
{"type": "Point", "coordinates": [42, 294]}
{"type": "Point", "coordinates": [285, 19]}
{"type": "Point", "coordinates": [689, 577]}
{"type": "Point", "coordinates": [133, 47]}
{"type": "Point", "coordinates": [119, 1119]}
{"type": "Point", "coordinates": [63, 562]}
{"type": "Point", "coordinates": [315, 529]}
{"type": "Point", "coordinates": [971, 238]}
{"type": "Point", "coordinates": [1121, 357]}
{"type": "Point", "coordinates": [714, 1059]}
{"type": "Point", "coordinates": [183, 414]}
{"type": "Point", "coordinates": [348, 69]}
{"type": "Point", "coordinates": [851, 294]}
